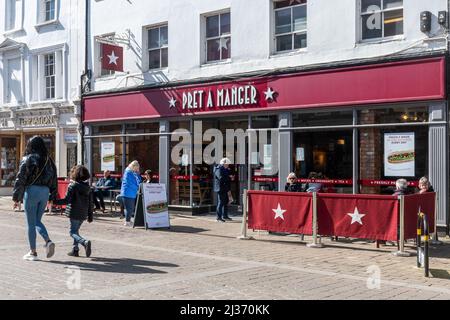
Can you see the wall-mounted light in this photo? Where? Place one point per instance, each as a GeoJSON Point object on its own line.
{"type": "Point", "coordinates": [405, 117]}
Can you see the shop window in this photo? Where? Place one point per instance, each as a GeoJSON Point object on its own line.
{"type": "Point", "coordinates": [180, 160]}
{"type": "Point", "coordinates": [326, 157]}
{"type": "Point", "coordinates": [9, 160]}
{"type": "Point", "coordinates": [290, 25]}
{"type": "Point", "coordinates": [393, 115]}
{"type": "Point", "coordinates": [218, 37]}
{"type": "Point", "coordinates": [264, 153]}
{"type": "Point", "coordinates": [144, 149]}
{"type": "Point", "coordinates": [313, 119]}
{"type": "Point", "coordinates": [381, 19]}
{"type": "Point", "coordinates": [107, 151]}
{"type": "Point", "coordinates": [388, 154]}
{"type": "Point", "coordinates": [158, 47]}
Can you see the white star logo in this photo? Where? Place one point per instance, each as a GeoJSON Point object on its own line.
{"type": "Point", "coordinates": [356, 216]}
{"type": "Point", "coordinates": [269, 94]}
{"type": "Point", "coordinates": [113, 58]}
{"type": "Point", "coordinates": [172, 103]}
{"type": "Point", "coordinates": [279, 212]}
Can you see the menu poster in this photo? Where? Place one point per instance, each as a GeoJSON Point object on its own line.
{"type": "Point", "coordinates": [108, 156]}
{"type": "Point", "coordinates": [399, 154]}
{"type": "Point", "coordinates": [155, 205]}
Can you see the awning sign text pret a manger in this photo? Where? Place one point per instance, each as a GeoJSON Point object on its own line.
{"type": "Point", "coordinates": [220, 97]}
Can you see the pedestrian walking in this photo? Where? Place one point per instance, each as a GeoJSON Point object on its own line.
{"type": "Point", "coordinates": [222, 186]}
{"type": "Point", "coordinates": [79, 201]}
{"type": "Point", "coordinates": [36, 184]}
{"type": "Point", "coordinates": [129, 190]}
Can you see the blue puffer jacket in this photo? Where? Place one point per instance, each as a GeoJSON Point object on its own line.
{"type": "Point", "coordinates": [130, 184]}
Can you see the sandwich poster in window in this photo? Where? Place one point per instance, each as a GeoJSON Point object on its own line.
{"type": "Point", "coordinates": [399, 155]}
{"type": "Point", "coordinates": [108, 156]}
{"type": "Point", "coordinates": [156, 207]}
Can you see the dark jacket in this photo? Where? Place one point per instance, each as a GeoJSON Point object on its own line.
{"type": "Point", "coordinates": [222, 181]}
{"type": "Point", "coordinates": [110, 183]}
{"type": "Point", "coordinates": [79, 201]}
{"type": "Point", "coordinates": [294, 187]}
{"type": "Point", "coordinates": [29, 170]}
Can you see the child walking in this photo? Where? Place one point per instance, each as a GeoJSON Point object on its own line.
{"type": "Point", "coordinates": [79, 203]}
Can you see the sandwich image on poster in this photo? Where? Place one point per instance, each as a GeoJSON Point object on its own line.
{"type": "Point", "coordinates": [399, 154]}
{"type": "Point", "coordinates": [108, 156]}
{"type": "Point", "coordinates": [156, 206]}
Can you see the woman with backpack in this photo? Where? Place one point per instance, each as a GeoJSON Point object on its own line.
{"type": "Point", "coordinates": [36, 184]}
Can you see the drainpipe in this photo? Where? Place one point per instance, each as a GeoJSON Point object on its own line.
{"type": "Point", "coordinates": [85, 78]}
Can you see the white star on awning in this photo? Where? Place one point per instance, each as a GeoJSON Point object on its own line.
{"type": "Point", "coordinates": [356, 216]}
{"type": "Point", "coordinates": [279, 212]}
{"type": "Point", "coordinates": [172, 103]}
{"type": "Point", "coordinates": [269, 94]}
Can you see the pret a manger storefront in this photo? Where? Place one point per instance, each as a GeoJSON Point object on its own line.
{"type": "Point", "coordinates": [355, 129]}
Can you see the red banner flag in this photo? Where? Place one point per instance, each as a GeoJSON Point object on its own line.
{"type": "Point", "coordinates": [112, 57]}
{"type": "Point", "coordinates": [413, 204]}
{"type": "Point", "coordinates": [280, 212]}
{"type": "Point", "coordinates": [361, 216]}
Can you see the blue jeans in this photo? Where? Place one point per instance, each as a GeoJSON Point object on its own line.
{"type": "Point", "coordinates": [222, 205]}
{"type": "Point", "coordinates": [75, 226]}
{"type": "Point", "coordinates": [35, 201]}
{"type": "Point", "coordinates": [129, 204]}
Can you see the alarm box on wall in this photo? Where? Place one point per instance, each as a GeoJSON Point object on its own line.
{"type": "Point", "coordinates": [425, 21]}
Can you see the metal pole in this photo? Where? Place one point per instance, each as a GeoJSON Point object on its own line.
{"type": "Point", "coordinates": [243, 235]}
{"type": "Point", "coordinates": [315, 243]}
{"type": "Point", "coordinates": [402, 252]}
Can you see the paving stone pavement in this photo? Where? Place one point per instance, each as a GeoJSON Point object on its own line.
{"type": "Point", "coordinates": [200, 259]}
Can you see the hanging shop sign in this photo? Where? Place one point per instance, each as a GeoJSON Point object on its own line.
{"type": "Point", "coordinates": [38, 121]}
{"type": "Point", "coordinates": [108, 156]}
{"type": "Point", "coordinates": [399, 155]}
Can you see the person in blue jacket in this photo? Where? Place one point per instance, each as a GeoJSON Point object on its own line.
{"type": "Point", "coordinates": [222, 186]}
{"type": "Point", "coordinates": [129, 190]}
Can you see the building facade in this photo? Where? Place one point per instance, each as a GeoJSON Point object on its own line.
{"type": "Point", "coordinates": [351, 93]}
{"type": "Point", "coordinates": [41, 61]}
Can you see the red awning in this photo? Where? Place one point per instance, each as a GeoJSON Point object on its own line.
{"type": "Point", "coordinates": [414, 80]}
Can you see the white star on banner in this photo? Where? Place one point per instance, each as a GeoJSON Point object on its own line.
{"type": "Point", "coordinates": [279, 212]}
{"type": "Point", "coordinates": [172, 103]}
{"type": "Point", "coordinates": [356, 216]}
{"type": "Point", "coordinates": [113, 58]}
{"type": "Point", "coordinates": [269, 94]}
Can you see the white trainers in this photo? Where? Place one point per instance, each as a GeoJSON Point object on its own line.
{"type": "Point", "coordinates": [30, 256]}
{"type": "Point", "coordinates": [128, 224]}
{"type": "Point", "coordinates": [50, 249]}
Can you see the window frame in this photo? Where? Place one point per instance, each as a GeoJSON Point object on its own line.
{"type": "Point", "coordinates": [41, 16]}
{"type": "Point", "coordinates": [160, 48]}
{"type": "Point", "coordinates": [219, 37]}
{"type": "Point", "coordinates": [47, 11]}
{"type": "Point", "coordinates": [382, 12]}
{"type": "Point", "coordinates": [19, 17]}
{"type": "Point", "coordinates": [292, 33]}
{"type": "Point", "coordinates": [49, 77]}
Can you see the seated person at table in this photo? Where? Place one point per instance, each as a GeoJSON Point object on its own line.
{"type": "Point", "coordinates": [314, 186]}
{"type": "Point", "coordinates": [148, 177]}
{"type": "Point", "coordinates": [107, 183]}
{"type": "Point", "coordinates": [425, 185]}
{"type": "Point", "coordinates": [401, 187]}
{"type": "Point", "coordinates": [291, 184]}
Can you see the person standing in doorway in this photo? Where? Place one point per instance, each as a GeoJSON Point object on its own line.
{"type": "Point", "coordinates": [222, 186]}
{"type": "Point", "coordinates": [129, 190]}
{"type": "Point", "coordinates": [36, 184]}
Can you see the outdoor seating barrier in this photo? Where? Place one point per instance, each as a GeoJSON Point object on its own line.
{"type": "Point", "coordinates": [423, 236]}
{"type": "Point", "coordinates": [361, 216]}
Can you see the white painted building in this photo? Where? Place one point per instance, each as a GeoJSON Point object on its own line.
{"type": "Point", "coordinates": [331, 31]}
{"type": "Point", "coordinates": [336, 79]}
{"type": "Point", "coordinates": [41, 60]}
